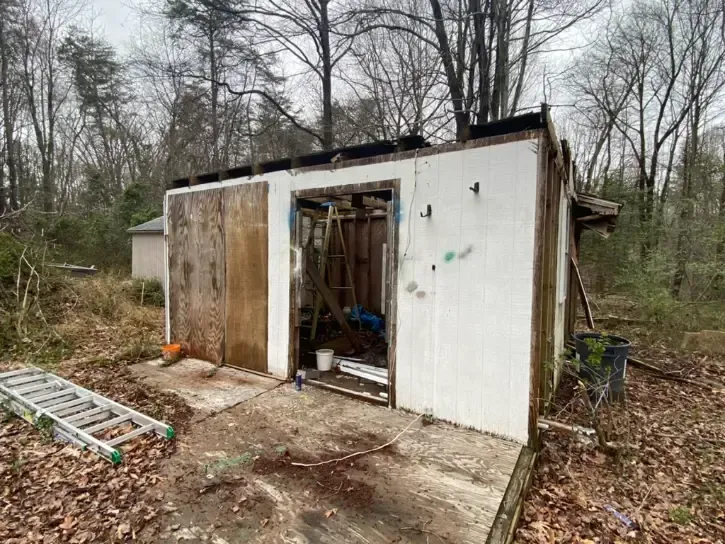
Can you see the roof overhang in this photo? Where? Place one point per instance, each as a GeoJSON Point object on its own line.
{"type": "Point", "coordinates": [155, 226]}
{"type": "Point", "coordinates": [596, 213]}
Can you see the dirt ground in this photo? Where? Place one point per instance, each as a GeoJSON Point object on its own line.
{"type": "Point", "coordinates": [670, 484]}
{"type": "Point", "coordinates": [233, 478]}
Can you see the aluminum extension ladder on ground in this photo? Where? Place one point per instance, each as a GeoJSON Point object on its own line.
{"type": "Point", "coordinates": [76, 413]}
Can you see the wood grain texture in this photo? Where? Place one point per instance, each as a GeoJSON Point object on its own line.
{"type": "Point", "coordinates": [196, 273]}
{"type": "Point", "coordinates": [439, 478]}
{"type": "Point", "coordinates": [246, 242]}
{"type": "Point", "coordinates": [509, 511]}
{"type": "Point", "coordinates": [551, 255]}
{"type": "Point", "coordinates": [537, 300]}
{"type": "Point", "coordinates": [177, 225]}
{"type": "Point", "coordinates": [391, 312]}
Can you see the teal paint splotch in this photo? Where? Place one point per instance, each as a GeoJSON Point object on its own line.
{"type": "Point", "coordinates": [449, 256]}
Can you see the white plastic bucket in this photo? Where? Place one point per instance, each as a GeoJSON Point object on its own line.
{"type": "Point", "coordinates": [324, 359]}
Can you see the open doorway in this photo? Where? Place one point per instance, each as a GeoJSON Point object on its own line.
{"type": "Point", "coordinates": [345, 238]}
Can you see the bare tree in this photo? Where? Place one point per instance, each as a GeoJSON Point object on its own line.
{"type": "Point", "coordinates": [705, 81]}
{"type": "Point", "coordinates": [43, 24]}
{"type": "Point", "coordinates": [8, 12]}
{"type": "Point", "coordinates": [398, 77]}
{"type": "Point", "coordinates": [483, 45]}
{"type": "Point", "coordinates": [316, 34]}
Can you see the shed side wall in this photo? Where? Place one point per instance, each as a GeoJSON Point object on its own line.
{"type": "Point", "coordinates": [464, 281]}
{"type": "Point", "coordinates": [147, 256]}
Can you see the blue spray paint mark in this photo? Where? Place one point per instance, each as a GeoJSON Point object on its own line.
{"type": "Point", "coordinates": [292, 218]}
{"type": "Point", "coordinates": [398, 211]}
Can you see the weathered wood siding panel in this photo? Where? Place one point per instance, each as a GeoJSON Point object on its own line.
{"type": "Point", "coordinates": [196, 273]}
{"type": "Point", "coordinates": [147, 256]}
{"type": "Point", "coordinates": [464, 278]}
{"type": "Point", "coordinates": [179, 268]}
{"type": "Point", "coordinates": [366, 239]}
{"type": "Point", "coordinates": [245, 235]}
{"type": "Point", "coordinates": [562, 287]}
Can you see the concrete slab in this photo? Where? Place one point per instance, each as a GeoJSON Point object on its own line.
{"type": "Point", "coordinates": [206, 391]}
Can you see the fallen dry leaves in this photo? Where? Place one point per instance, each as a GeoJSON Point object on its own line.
{"type": "Point", "coordinates": [53, 492]}
{"type": "Point", "coordinates": [671, 485]}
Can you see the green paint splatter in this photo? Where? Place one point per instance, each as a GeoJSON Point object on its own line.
{"type": "Point", "coordinates": [449, 256]}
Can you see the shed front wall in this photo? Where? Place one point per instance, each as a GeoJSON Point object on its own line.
{"type": "Point", "coordinates": [147, 256]}
{"type": "Point", "coordinates": [465, 278]}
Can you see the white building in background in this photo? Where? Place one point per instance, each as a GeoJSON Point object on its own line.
{"type": "Point", "coordinates": [147, 254]}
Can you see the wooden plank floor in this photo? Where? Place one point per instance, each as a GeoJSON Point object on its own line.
{"type": "Point", "coordinates": [438, 483]}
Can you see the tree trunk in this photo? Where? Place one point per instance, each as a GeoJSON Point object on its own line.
{"type": "Point", "coordinates": [690, 173]}
{"type": "Point", "coordinates": [327, 131]}
{"type": "Point", "coordinates": [681, 267]}
{"type": "Point", "coordinates": [12, 192]}
{"type": "Point", "coordinates": [482, 58]}
{"type": "Point", "coordinates": [642, 180]}
{"type": "Point", "coordinates": [721, 211]}
{"type": "Point", "coordinates": [454, 87]}
{"type": "Point", "coordinates": [214, 100]}
{"type": "Point", "coordinates": [48, 185]}
{"type": "Point", "coordinates": [524, 59]}
{"type": "Point", "coordinates": [499, 96]}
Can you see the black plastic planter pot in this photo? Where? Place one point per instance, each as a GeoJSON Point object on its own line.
{"type": "Point", "coordinates": [611, 370]}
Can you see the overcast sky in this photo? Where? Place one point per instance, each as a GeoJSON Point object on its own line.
{"type": "Point", "coordinates": [114, 18]}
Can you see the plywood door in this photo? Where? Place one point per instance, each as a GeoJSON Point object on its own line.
{"type": "Point", "coordinates": [196, 273]}
{"type": "Point", "coordinates": [246, 235]}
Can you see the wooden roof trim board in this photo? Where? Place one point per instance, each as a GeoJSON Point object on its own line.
{"type": "Point", "coordinates": [598, 205]}
{"type": "Point", "coordinates": [511, 129]}
{"type": "Point", "coordinates": [597, 214]}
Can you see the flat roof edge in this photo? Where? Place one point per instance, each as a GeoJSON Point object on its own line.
{"type": "Point", "coordinates": [515, 128]}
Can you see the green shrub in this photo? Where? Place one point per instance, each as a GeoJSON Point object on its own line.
{"type": "Point", "coordinates": [150, 291]}
{"type": "Point", "coordinates": [10, 252]}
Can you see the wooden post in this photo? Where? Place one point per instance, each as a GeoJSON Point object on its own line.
{"type": "Point", "coordinates": [329, 299]}
{"type": "Point", "coordinates": [347, 264]}
{"type": "Point", "coordinates": [583, 294]}
{"type": "Point", "coordinates": [323, 263]}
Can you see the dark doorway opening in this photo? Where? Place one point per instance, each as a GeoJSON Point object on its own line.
{"type": "Point", "coordinates": [343, 293]}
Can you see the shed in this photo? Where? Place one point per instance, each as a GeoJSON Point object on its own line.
{"type": "Point", "coordinates": [464, 249]}
{"type": "Point", "coordinates": [147, 253]}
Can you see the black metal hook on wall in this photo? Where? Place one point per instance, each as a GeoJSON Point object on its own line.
{"type": "Point", "coordinates": [475, 188]}
{"type": "Point", "coordinates": [429, 211]}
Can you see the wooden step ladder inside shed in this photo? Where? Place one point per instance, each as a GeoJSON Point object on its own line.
{"type": "Point", "coordinates": [332, 215]}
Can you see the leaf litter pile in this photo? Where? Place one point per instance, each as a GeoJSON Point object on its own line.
{"type": "Point", "coordinates": [669, 486]}
{"type": "Point", "coordinates": [54, 492]}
